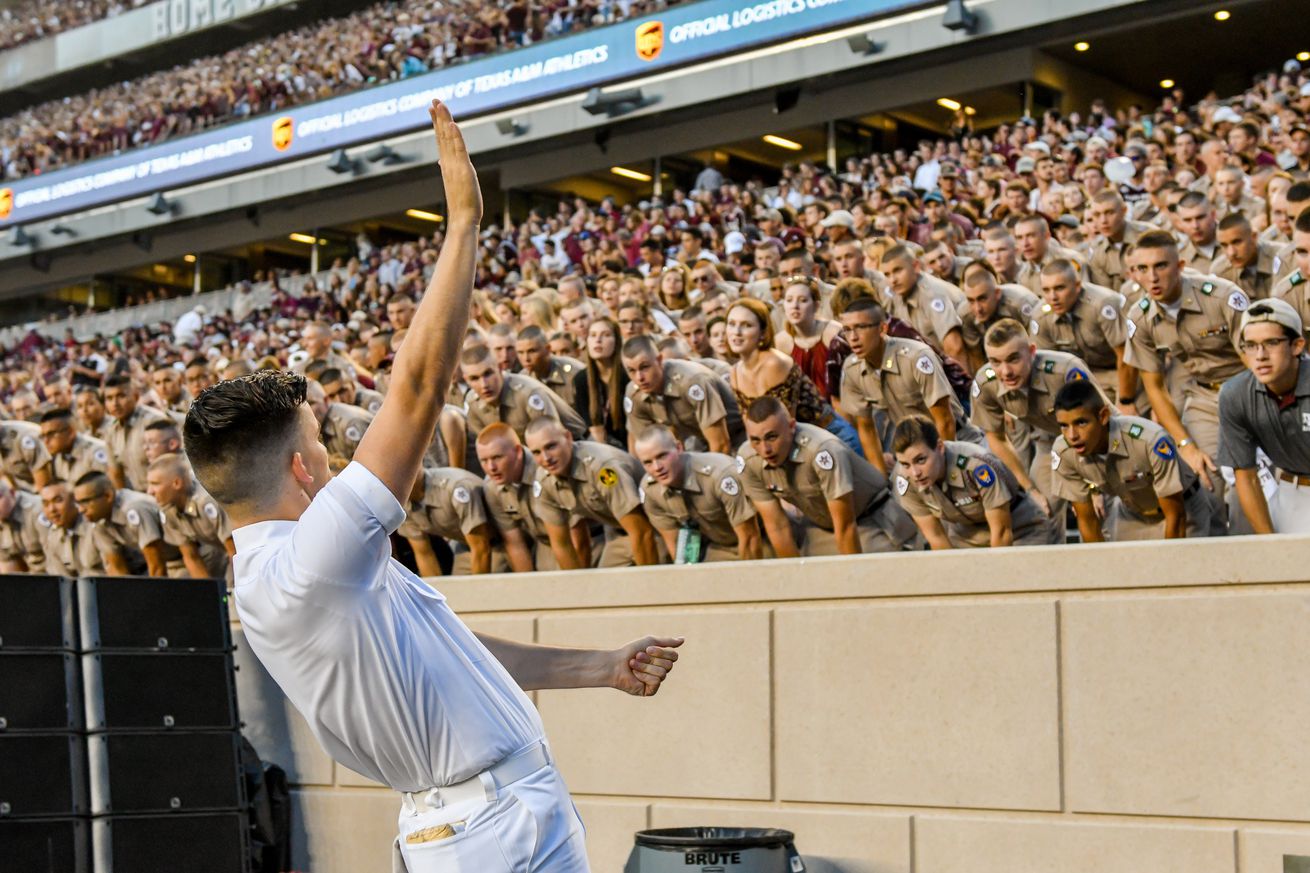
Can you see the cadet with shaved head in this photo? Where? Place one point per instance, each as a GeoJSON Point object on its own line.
{"type": "Point", "coordinates": [72, 454]}
{"type": "Point", "coordinates": [193, 521]}
{"type": "Point", "coordinates": [1088, 321]}
{"type": "Point", "coordinates": [513, 398]}
{"type": "Point", "coordinates": [697, 404]}
{"type": "Point", "coordinates": [125, 525]}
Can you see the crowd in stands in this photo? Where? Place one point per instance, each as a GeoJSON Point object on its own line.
{"type": "Point", "coordinates": [384, 42]}
{"type": "Point", "coordinates": [1086, 322]}
{"type": "Point", "coordinates": [36, 19]}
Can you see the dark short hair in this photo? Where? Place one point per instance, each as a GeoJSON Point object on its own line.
{"type": "Point", "coordinates": [238, 433]}
{"type": "Point", "coordinates": [162, 424]}
{"type": "Point", "coordinates": [869, 305]}
{"type": "Point", "coordinates": [639, 345]}
{"type": "Point", "coordinates": [764, 408]}
{"type": "Point", "coordinates": [97, 478]}
{"type": "Point", "coordinates": [56, 413]}
{"type": "Point", "coordinates": [1299, 193]}
{"type": "Point", "coordinates": [118, 382]}
{"type": "Point", "coordinates": [914, 430]}
{"type": "Point", "coordinates": [1236, 219]}
{"type": "Point", "coordinates": [532, 334]}
{"type": "Point", "coordinates": [1079, 394]}
{"type": "Point", "coordinates": [1302, 222]}
{"type": "Point", "coordinates": [329, 375]}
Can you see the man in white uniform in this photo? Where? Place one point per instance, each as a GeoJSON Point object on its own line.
{"type": "Point", "coordinates": [391, 682]}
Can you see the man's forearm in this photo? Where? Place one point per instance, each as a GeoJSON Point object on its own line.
{"type": "Point", "coordinates": [1251, 497]}
{"type": "Point", "coordinates": [537, 667]}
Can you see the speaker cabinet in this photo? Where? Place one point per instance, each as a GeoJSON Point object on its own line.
{"type": "Point", "coordinates": [153, 614]}
{"type": "Point", "coordinates": [37, 612]}
{"type": "Point", "coordinates": [212, 843]}
{"type": "Point", "coordinates": [39, 691]}
{"type": "Point", "coordinates": [159, 691]}
{"type": "Point", "coordinates": [164, 772]}
{"type": "Point", "coordinates": [42, 775]}
{"type": "Point", "coordinates": [58, 845]}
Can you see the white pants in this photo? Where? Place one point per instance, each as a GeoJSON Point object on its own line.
{"type": "Point", "coordinates": [1289, 508]}
{"type": "Point", "coordinates": [531, 827]}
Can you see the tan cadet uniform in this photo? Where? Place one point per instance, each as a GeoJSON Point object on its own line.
{"type": "Point", "coordinates": [722, 369]}
{"type": "Point", "coordinates": [821, 468]}
{"type": "Point", "coordinates": [22, 533]}
{"type": "Point", "coordinates": [333, 360]}
{"type": "Point", "coordinates": [602, 484]}
{"type": "Point", "coordinates": [1285, 262]}
{"type": "Point", "coordinates": [133, 524]}
{"type": "Point", "coordinates": [1140, 463]}
{"type": "Point", "coordinates": [559, 378]}
{"type": "Point", "coordinates": [71, 551]}
{"type": "Point", "coordinates": [1092, 330]}
{"type": "Point", "coordinates": [1199, 258]}
{"type": "Point", "coordinates": [1296, 290]}
{"type": "Point", "coordinates": [342, 429]}
{"type": "Point", "coordinates": [1250, 206]}
{"type": "Point", "coordinates": [708, 496]}
{"type": "Point", "coordinates": [452, 506]}
{"type": "Point", "coordinates": [1203, 339]}
{"type": "Point", "coordinates": [21, 452]}
{"type": "Point", "coordinates": [927, 309]}
{"type": "Point", "coordinates": [85, 455]}
{"type": "Point", "coordinates": [1030, 272]}
{"type": "Point", "coordinates": [203, 522]}
{"type": "Point", "coordinates": [1106, 266]}
{"type": "Point", "coordinates": [522, 400]}
{"type": "Point", "coordinates": [1016, 302]}
{"type": "Point", "coordinates": [1032, 405]}
{"type": "Point", "coordinates": [368, 400]}
{"type": "Point", "coordinates": [909, 382]}
{"type": "Point", "coordinates": [954, 293]}
{"type": "Point", "coordinates": [1146, 211]}
{"type": "Point", "coordinates": [975, 481]}
{"type": "Point", "coordinates": [126, 442]}
{"type": "Point", "coordinates": [693, 398]}
{"type": "Point", "coordinates": [1257, 280]}
{"type": "Point", "coordinates": [513, 506]}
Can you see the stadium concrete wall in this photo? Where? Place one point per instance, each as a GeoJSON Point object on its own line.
{"type": "Point", "coordinates": [1125, 708]}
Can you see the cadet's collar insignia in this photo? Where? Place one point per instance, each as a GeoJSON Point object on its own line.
{"type": "Point", "coordinates": [962, 461]}
{"type": "Point", "coordinates": [1164, 447]}
{"type": "Point", "coordinates": [1034, 328]}
{"type": "Point", "coordinates": [902, 485]}
{"type": "Point", "coordinates": [975, 390]}
{"type": "Point", "coordinates": [1055, 461]}
{"type": "Point", "coordinates": [924, 365]}
{"type": "Point", "coordinates": [627, 405]}
{"type": "Point", "coordinates": [795, 454]}
{"type": "Point", "coordinates": [1207, 288]}
{"type": "Point", "coordinates": [1238, 301]}
{"type": "Point", "coordinates": [1296, 278]}
{"type": "Point", "coordinates": [567, 368]}
{"type": "Point", "coordinates": [1114, 445]}
{"type": "Point", "coordinates": [729, 486]}
{"type": "Point", "coordinates": [741, 464]}
{"type": "Point", "coordinates": [889, 364]}
{"type": "Point", "coordinates": [536, 402]}
{"type": "Point", "coordinates": [984, 475]}
{"type": "Point", "coordinates": [460, 494]}
{"type": "Point", "coordinates": [1145, 304]}
{"type": "Point", "coordinates": [989, 374]}
{"type": "Point", "coordinates": [607, 477]}
{"type": "Point", "coordinates": [1048, 366]}
{"type": "Point", "coordinates": [1135, 431]}
{"type": "Point", "coordinates": [1046, 307]}
{"type": "Point", "coordinates": [696, 393]}
{"type": "Point", "coordinates": [823, 461]}
{"type": "Point", "coordinates": [1076, 374]}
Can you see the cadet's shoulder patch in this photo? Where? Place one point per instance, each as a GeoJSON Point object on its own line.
{"type": "Point", "coordinates": [823, 460]}
{"type": "Point", "coordinates": [902, 485]}
{"type": "Point", "coordinates": [938, 305]}
{"type": "Point", "coordinates": [924, 365]}
{"type": "Point", "coordinates": [627, 405]}
{"type": "Point", "coordinates": [1207, 288]}
{"type": "Point", "coordinates": [101, 456]}
{"type": "Point", "coordinates": [1109, 313]}
{"type": "Point", "coordinates": [1238, 301]}
{"type": "Point", "coordinates": [536, 402]}
{"type": "Point", "coordinates": [43, 521]}
{"type": "Point", "coordinates": [729, 486]}
{"type": "Point", "coordinates": [1135, 431]}
{"type": "Point", "coordinates": [962, 461]}
{"type": "Point", "coordinates": [1164, 447]}
{"type": "Point", "coordinates": [1076, 374]}
{"type": "Point", "coordinates": [984, 475]}
{"type": "Point", "coordinates": [741, 464]}
{"type": "Point", "coordinates": [1034, 328]}
{"type": "Point", "coordinates": [29, 442]}
{"type": "Point", "coordinates": [696, 392]}
{"type": "Point", "coordinates": [460, 494]}
{"type": "Point", "coordinates": [607, 477]}
{"type": "Point", "coordinates": [211, 511]}
{"type": "Point", "coordinates": [1048, 366]}
{"type": "Point", "coordinates": [1026, 310]}
{"type": "Point", "coordinates": [133, 517]}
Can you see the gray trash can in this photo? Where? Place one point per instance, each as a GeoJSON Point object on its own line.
{"type": "Point", "coordinates": [715, 850]}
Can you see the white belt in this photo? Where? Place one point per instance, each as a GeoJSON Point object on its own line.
{"type": "Point", "coordinates": [484, 785]}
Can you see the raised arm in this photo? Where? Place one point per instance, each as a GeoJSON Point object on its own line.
{"type": "Point", "coordinates": [637, 668]}
{"type": "Point", "coordinates": [393, 447]}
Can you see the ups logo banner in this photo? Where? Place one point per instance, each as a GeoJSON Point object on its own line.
{"type": "Point", "coordinates": [283, 132]}
{"type": "Point", "coordinates": [6, 202]}
{"type": "Point", "coordinates": [650, 40]}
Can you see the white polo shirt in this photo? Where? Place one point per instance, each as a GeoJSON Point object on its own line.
{"type": "Point", "coordinates": [392, 683]}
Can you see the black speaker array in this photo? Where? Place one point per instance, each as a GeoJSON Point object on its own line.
{"type": "Point", "coordinates": [119, 736]}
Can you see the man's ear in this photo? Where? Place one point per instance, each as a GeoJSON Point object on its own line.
{"type": "Point", "coordinates": [299, 470]}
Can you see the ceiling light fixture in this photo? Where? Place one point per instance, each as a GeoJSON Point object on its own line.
{"type": "Point", "coordinates": [782, 142]}
{"type": "Point", "coordinates": [1081, 46]}
{"type": "Point", "coordinates": [1222, 15]}
{"type": "Point", "coordinates": [1166, 83]}
{"type": "Point", "coordinates": [630, 174]}
{"type": "Point", "coordinates": [423, 215]}
{"type": "Point", "coordinates": [948, 103]}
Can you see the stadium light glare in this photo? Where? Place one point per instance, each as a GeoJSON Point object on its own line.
{"type": "Point", "coordinates": [1222, 15]}
{"type": "Point", "coordinates": [306, 239]}
{"type": "Point", "coordinates": [1166, 83]}
{"type": "Point", "coordinates": [423, 215]}
{"type": "Point", "coordinates": [1081, 46]}
{"type": "Point", "coordinates": [969, 110]}
{"type": "Point", "coordinates": [190, 259]}
{"type": "Point", "coordinates": [1303, 56]}
{"type": "Point", "coordinates": [631, 174]}
{"type": "Point", "coordinates": [782, 142]}
{"type": "Point", "coordinates": [948, 103]}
